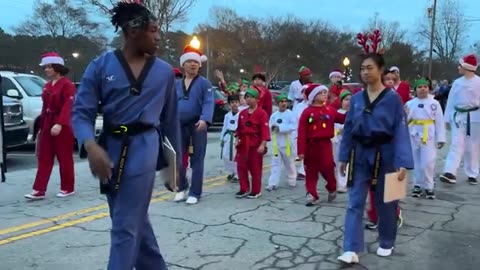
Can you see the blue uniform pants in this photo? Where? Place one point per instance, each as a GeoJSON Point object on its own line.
{"type": "Point", "coordinates": [387, 214]}
{"type": "Point", "coordinates": [199, 141]}
{"type": "Point", "coordinates": [133, 241]}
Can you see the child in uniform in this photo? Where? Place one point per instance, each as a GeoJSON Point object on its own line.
{"type": "Point", "coordinates": [297, 111]}
{"type": "Point", "coordinates": [344, 98]}
{"type": "Point", "coordinates": [252, 135]}
{"type": "Point", "coordinates": [227, 137]}
{"type": "Point", "coordinates": [427, 133]}
{"type": "Point", "coordinates": [315, 133]}
{"type": "Point", "coordinates": [282, 124]}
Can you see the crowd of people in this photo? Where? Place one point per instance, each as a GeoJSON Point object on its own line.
{"type": "Point", "coordinates": [351, 138]}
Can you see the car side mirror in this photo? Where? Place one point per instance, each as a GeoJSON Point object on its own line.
{"type": "Point", "coordinates": [13, 93]}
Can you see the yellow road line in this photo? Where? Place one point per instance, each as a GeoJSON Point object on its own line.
{"type": "Point", "coordinates": [80, 212]}
{"type": "Point", "coordinates": [210, 184]}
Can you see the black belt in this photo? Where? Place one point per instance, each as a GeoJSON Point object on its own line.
{"type": "Point", "coordinates": [467, 111]}
{"type": "Point", "coordinates": [124, 132]}
{"type": "Point", "coordinates": [370, 142]}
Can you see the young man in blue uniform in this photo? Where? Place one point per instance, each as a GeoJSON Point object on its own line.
{"type": "Point", "coordinates": [195, 107]}
{"type": "Point", "coordinates": [137, 93]}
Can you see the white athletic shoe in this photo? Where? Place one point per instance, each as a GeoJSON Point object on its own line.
{"type": "Point", "coordinates": [192, 200]}
{"type": "Point", "coordinates": [180, 196]}
{"type": "Point", "coordinates": [63, 194]}
{"type": "Point", "coordinates": [382, 252]}
{"type": "Point", "coordinates": [349, 257]}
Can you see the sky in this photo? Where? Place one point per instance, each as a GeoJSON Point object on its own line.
{"type": "Point", "coordinates": [350, 15]}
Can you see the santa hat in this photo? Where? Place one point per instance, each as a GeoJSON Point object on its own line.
{"type": "Point", "coordinates": [336, 72]}
{"type": "Point", "coordinates": [51, 58]}
{"type": "Point", "coordinates": [313, 90]}
{"type": "Point", "coordinates": [469, 62]}
{"type": "Point", "coordinates": [394, 69]}
{"type": "Point", "coordinates": [190, 53]}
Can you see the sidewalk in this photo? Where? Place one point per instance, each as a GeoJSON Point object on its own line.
{"type": "Point", "coordinates": [274, 232]}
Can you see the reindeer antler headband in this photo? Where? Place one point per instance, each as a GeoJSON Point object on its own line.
{"type": "Point", "coordinates": [370, 42]}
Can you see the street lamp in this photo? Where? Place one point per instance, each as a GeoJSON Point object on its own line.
{"type": "Point", "coordinates": [195, 43]}
{"type": "Point", "coordinates": [347, 74]}
{"type": "Point", "coordinates": [75, 55]}
{"type": "Point", "coordinates": [298, 56]}
{"type": "Point", "coordinates": [242, 70]}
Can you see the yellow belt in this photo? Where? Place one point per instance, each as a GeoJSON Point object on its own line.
{"type": "Point", "coordinates": [275, 148]}
{"type": "Point", "coordinates": [425, 123]}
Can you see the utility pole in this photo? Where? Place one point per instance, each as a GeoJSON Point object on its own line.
{"type": "Point", "coordinates": [432, 35]}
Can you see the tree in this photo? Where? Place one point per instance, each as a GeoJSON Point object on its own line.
{"type": "Point", "coordinates": [60, 19]}
{"type": "Point", "coordinates": [391, 31]}
{"type": "Point", "coordinates": [449, 32]}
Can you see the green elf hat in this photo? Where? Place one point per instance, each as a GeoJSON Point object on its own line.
{"type": "Point", "coordinates": [421, 81]}
{"type": "Point", "coordinates": [251, 92]}
{"type": "Point", "coordinates": [233, 87]}
{"type": "Point", "coordinates": [282, 97]}
{"type": "Point", "coordinates": [345, 93]}
{"type": "Point", "coordinates": [245, 82]}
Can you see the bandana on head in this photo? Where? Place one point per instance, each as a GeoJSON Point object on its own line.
{"type": "Point", "coordinates": [251, 92]}
{"type": "Point", "coordinates": [282, 97]}
{"type": "Point", "coordinates": [344, 94]}
{"type": "Point", "coordinates": [419, 82]}
{"type": "Point", "coordinates": [304, 71]}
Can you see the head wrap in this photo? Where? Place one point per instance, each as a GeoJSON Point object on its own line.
{"type": "Point", "coordinates": [282, 97]}
{"type": "Point", "coordinates": [421, 81]}
{"type": "Point", "coordinates": [304, 71]}
{"type": "Point", "coordinates": [251, 92]}
{"type": "Point", "coordinates": [345, 93]}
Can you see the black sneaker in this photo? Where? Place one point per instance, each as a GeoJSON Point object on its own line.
{"type": "Point", "coordinates": [448, 178]}
{"type": "Point", "coordinates": [417, 192]}
{"type": "Point", "coordinates": [234, 179]}
{"type": "Point", "coordinates": [241, 194]}
{"type": "Point", "coordinates": [229, 177]}
{"type": "Point", "coordinates": [472, 181]}
{"type": "Point", "coordinates": [300, 177]}
{"type": "Point", "coordinates": [429, 194]}
{"type": "Point", "coordinates": [254, 195]}
{"type": "Point", "coordinates": [371, 226]}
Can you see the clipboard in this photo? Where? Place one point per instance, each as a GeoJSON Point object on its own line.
{"type": "Point", "coordinates": [169, 173]}
{"type": "Point", "coordinates": [394, 190]}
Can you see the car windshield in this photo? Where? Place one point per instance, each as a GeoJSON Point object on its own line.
{"type": "Point", "coordinates": [32, 85]}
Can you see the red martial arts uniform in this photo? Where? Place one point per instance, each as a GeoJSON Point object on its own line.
{"type": "Point", "coordinates": [403, 90]}
{"type": "Point", "coordinates": [315, 131]}
{"type": "Point", "coordinates": [265, 99]}
{"type": "Point", "coordinates": [57, 106]}
{"type": "Point", "coordinates": [251, 131]}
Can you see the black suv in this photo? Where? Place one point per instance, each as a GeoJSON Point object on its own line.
{"type": "Point", "coordinates": [16, 130]}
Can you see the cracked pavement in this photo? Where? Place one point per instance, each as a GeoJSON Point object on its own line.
{"type": "Point", "coordinates": [275, 231]}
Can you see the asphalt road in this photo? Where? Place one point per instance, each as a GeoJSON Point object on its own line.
{"type": "Point", "coordinates": [23, 158]}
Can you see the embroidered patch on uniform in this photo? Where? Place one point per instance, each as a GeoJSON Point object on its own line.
{"type": "Point", "coordinates": [433, 107]}
{"type": "Point", "coordinates": [420, 105]}
{"type": "Point", "coordinates": [279, 121]}
{"type": "Point", "coordinates": [110, 78]}
{"type": "Point", "coordinates": [232, 121]}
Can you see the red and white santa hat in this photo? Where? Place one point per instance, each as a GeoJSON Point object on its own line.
{"type": "Point", "coordinates": [469, 62]}
{"type": "Point", "coordinates": [190, 53]}
{"type": "Point", "coordinates": [51, 58]}
{"type": "Point", "coordinates": [313, 90]}
{"type": "Point", "coordinates": [336, 72]}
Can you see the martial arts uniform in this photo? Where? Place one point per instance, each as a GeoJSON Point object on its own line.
{"type": "Point", "coordinates": [463, 114]}
{"type": "Point", "coordinates": [132, 118]}
{"type": "Point", "coordinates": [251, 131]}
{"type": "Point", "coordinates": [341, 180]}
{"type": "Point", "coordinates": [375, 135]}
{"type": "Point", "coordinates": [427, 129]}
{"type": "Point", "coordinates": [265, 99]}
{"type": "Point", "coordinates": [282, 145]}
{"type": "Point", "coordinates": [297, 111]}
{"type": "Point", "coordinates": [194, 104]}
{"type": "Point", "coordinates": [315, 133]}
{"type": "Point", "coordinates": [295, 92]}
{"type": "Point", "coordinates": [56, 109]}
{"type": "Point", "coordinates": [227, 137]}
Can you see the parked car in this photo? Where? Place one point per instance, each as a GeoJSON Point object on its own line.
{"type": "Point", "coordinates": [27, 89]}
{"type": "Point", "coordinates": [16, 130]}
{"type": "Point", "coordinates": [221, 107]}
{"type": "Point", "coordinates": [354, 87]}
{"type": "Point", "coordinates": [278, 85]}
